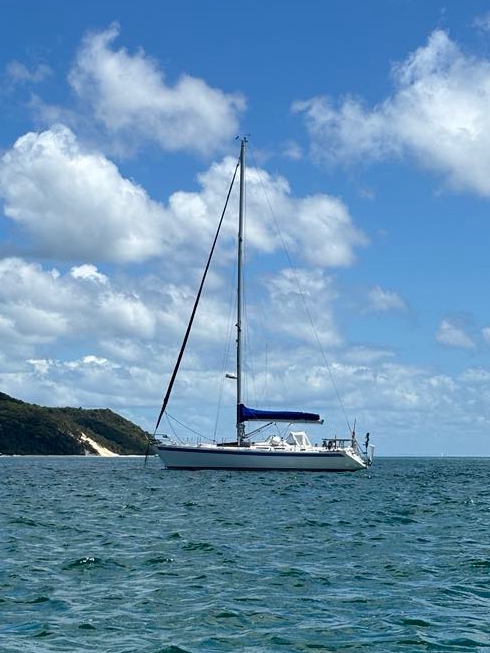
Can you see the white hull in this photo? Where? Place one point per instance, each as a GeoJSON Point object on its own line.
{"type": "Point", "coordinates": [218, 457]}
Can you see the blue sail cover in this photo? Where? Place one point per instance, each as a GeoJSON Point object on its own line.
{"type": "Point", "coordinates": [251, 414]}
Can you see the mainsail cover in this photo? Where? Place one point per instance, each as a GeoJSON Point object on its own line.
{"type": "Point", "coordinates": [246, 414]}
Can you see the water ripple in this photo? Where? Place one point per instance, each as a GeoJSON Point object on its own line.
{"type": "Point", "coordinates": [101, 555]}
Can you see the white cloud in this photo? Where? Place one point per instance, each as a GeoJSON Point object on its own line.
{"type": "Point", "coordinates": [18, 72]}
{"type": "Point", "coordinates": [324, 231]}
{"type": "Point", "coordinates": [129, 96]}
{"type": "Point", "coordinates": [292, 150]}
{"type": "Point", "coordinates": [301, 302]}
{"type": "Point", "coordinates": [475, 376]}
{"type": "Point", "coordinates": [113, 336]}
{"type": "Point", "coordinates": [366, 355]}
{"type": "Point", "coordinates": [88, 381]}
{"type": "Point", "coordinates": [127, 344]}
{"type": "Point", "coordinates": [483, 22]}
{"type": "Point", "coordinates": [74, 203]}
{"type": "Point", "coordinates": [88, 272]}
{"type": "Point", "coordinates": [486, 334]}
{"type": "Point", "coordinates": [317, 229]}
{"type": "Point", "coordinates": [385, 300]}
{"type": "Point", "coordinates": [128, 334]}
{"type": "Point", "coordinates": [348, 133]}
{"type": "Point", "coordinates": [44, 305]}
{"type": "Point", "coordinates": [453, 335]}
{"type": "Point", "coordinates": [439, 114]}
{"type": "Point", "coordinates": [31, 304]}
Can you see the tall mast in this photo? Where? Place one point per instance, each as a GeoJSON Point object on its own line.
{"type": "Point", "coordinates": [240, 427]}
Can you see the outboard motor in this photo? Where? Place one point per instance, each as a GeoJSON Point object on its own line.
{"type": "Point", "coordinates": [370, 454]}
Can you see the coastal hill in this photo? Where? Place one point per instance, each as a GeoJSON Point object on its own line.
{"type": "Point", "coordinates": [28, 429]}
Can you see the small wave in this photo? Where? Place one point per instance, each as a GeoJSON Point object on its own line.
{"type": "Point", "coordinates": [38, 599]}
{"type": "Point", "coordinates": [199, 546]}
{"type": "Point", "coordinates": [174, 536]}
{"type": "Point", "coordinates": [485, 564]}
{"type": "Point", "coordinates": [415, 621]}
{"type": "Point", "coordinates": [293, 572]}
{"type": "Point", "coordinates": [43, 633]}
{"type": "Point", "coordinates": [84, 563]}
{"type": "Point", "coordinates": [158, 560]}
{"type": "Point", "coordinates": [24, 521]}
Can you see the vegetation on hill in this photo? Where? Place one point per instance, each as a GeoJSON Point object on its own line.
{"type": "Point", "coordinates": [28, 429]}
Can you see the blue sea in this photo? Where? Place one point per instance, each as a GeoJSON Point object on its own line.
{"type": "Point", "coordinates": [108, 556]}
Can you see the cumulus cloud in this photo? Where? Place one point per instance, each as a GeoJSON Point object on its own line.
{"type": "Point", "coordinates": [453, 335]}
{"type": "Point", "coordinates": [126, 343]}
{"type": "Point", "coordinates": [88, 272]}
{"type": "Point", "coordinates": [385, 300]}
{"type": "Point", "coordinates": [87, 309]}
{"type": "Point", "coordinates": [76, 207]}
{"type": "Point", "coordinates": [302, 303]}
{"type": "Point", "coordinates": [88, 381]}
{"type": "Point", "coordinates": [44, 305]}
{"type": "Point", "coordinates": [317, 229]}
{"type": "Point", "coordinates": [81, 338]}
{"type": "Point", "coordinates": [439, 113]}
{"type": "Point", "coordinates": [75, 204]}
{"type": "Point", "coordinates": [32, 308]}
{"type": "Point", "coordinates": [129, 95]}
{"type": "Point", "coordinates": [325, 231]}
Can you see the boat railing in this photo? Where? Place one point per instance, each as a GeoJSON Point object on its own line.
{"type": "Point", "coordinates": [338, 443]}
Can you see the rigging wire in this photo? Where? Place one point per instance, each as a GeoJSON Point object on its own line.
{"type": "Point", "coordinates": [301, 294]}
{"type": "Point", "coordinates": [186, 426]}
{"type": "Point", "coordinates": [196, 302]}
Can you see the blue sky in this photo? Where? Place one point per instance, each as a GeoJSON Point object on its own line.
{"type": "Point", "coordinates": [368, 125]}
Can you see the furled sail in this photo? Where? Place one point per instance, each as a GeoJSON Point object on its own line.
{"type": "Point", "coordinates": [246, 414]}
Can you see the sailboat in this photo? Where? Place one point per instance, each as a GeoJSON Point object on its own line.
{"type": "Point", "coordinates": [292, 450]}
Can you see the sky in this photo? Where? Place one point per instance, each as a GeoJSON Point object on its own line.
{"type": "Point", "coordinates": [368, 161]}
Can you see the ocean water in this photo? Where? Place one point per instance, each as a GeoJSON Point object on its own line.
{"type": "Point", "coordinates": [104, 555]}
